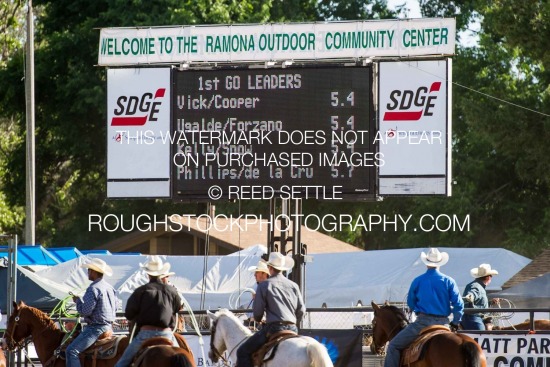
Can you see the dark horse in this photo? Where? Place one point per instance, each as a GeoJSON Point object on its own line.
{"type": "Point", "coordinates": [28, 321]}
{"type": "Point", "coordinates": [445, 349]}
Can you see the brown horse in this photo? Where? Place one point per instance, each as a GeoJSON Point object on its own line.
{"type": "Point", "coordinates": [445, 349]}
{"type": "Point", "coordinates": [539, 325]}
{"type": "Point", "coordinates": [159, 352]}
{"type": "Point", "coordinates": [28, 321]}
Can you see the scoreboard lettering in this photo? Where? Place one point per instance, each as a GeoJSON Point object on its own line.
{"type": "Point", "coordinates": [263, 133]}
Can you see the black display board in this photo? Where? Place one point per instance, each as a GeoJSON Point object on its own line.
{"type": "Point", "coordinates": [287, 133]}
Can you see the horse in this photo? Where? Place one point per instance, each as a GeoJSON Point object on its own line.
{"type": "Point", "coordinates": [539, 325]}
{"type": "Point", "coordinates": [228, 333]}
{"type": "Point", "coordinates": [28, 321]}
{"type": "Point", "coordinates": [444, 349]}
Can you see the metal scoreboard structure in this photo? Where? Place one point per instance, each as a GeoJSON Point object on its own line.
{"type": "Point", "coordinates": [335, 111]}
{"type": "Point", "coordinates": [284, 129]}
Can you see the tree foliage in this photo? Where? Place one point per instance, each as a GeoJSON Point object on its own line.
{"type": "Point", "coordinates": [501, 157]}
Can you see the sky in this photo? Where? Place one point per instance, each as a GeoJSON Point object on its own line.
{"type": "Point", "coordinates": [412, 5]}
{"type": "Point", "coordinates": [467, 38]}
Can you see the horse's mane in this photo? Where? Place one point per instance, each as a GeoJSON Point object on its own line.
{"type": "Point", "coordinates": [398, 312]}
{"type": "Point", "coordinates": [42, 317]}
{"type": "Point", "coordinates": [235, 319]}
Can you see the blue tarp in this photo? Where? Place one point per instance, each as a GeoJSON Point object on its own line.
{"type": "Point", "coordinates": [31, 255]}
{"type": "Point", "coordinates": [96, 252]}
{"type": "Point", "coordinates": [64, 253]}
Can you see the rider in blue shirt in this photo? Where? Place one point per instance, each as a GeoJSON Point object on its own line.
{"type": "Point", "coordinates": [433, 296]}
{"type": "Point", "coordinates": [97, 306]}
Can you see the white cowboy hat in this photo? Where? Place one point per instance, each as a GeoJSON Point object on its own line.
{"type": "Point", "coordinates": [261, 267]}
{"type": "Point", "coordinates": [155, 267]}
{"type": "Point", "coordinates": [482, 271]}
{"type": "Point", "coordinates": [169, 274]}
{"type": "Point", "coordinates": [434, 258]}
{"type": "Point", "coordinates": [280, 262]}
{"type": "Point", "coordinates": [98, 265]}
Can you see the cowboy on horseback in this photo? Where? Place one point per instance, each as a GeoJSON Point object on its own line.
{"type": "Point", "coordinates": [97, 306]}
{"type": "Point", "coordinates": [475, 296]}
{"type": "Point", "coordinates": [152, 307]}
{"type": "Point", "coordinates": [430, 296]}
{"type": "Point", "coordinates": [280, 300]}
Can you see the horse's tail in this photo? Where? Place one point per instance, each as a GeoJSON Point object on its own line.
{"type": "Point", "coordinates": [318, 355]}
{"type": "Point", "coordinates": [180, 360]}
{"type": "Point", "coordinates": [473, 355]}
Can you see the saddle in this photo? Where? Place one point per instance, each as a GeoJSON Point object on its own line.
{"type": "Point", "coordinates": [417, 349]}
{"type": "Point", "coordinates": [267, 351]}
{"type": "Point", "coordinates": [104, 348]}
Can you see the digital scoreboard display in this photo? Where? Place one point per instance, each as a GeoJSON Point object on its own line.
{"type": "Point", "coordinates": [264, 133]}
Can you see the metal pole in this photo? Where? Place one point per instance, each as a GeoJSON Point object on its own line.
{"type": "Point", "coordinates": [30, 153]}
{"type": "Point", "coordinates": [12, 284]}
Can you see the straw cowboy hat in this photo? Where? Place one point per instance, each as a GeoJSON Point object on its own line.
{"type": "Point", "coordinates": [482, 271]}
{"type": "Point", "coordinates": [280, 262]}
{"type": "Point", "coordinates": [434, 258]}
{"type": "Point", "coordinates": [98, 265]}
{"type": "Point", "coordinates": [261, 267]}
{"type": "Point", "coordinates": [155, 267]}
{"type": "Point", "coordinates": [169, 274]}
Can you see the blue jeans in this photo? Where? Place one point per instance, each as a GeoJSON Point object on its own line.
{"type": "Point", "coordinates": [472, 322]}
{"type": "Point", "coordinates": [407, 336]}
{"type": "Point", "coordinates": [134, 346]}
{"type": "Point", "coordinates": [83, 341]}
{"type": "Point", "coordinates": [256, 340]}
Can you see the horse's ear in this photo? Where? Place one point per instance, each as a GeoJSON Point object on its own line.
{"type": "Point", "coordinates": [387, 303]}
{"type": "Point", "coordinates": [15, 306]}
{"type": "Point", "coordinates": [375, 306]}
{"type": "Point", "coordinates": [211, 315]}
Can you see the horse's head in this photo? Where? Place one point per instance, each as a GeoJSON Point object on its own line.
{"type": "Point", "coordinates": [17, 327]}
{"type": "Point", "coordinates": [387, 322]}
{"type": "Point", "coordinates": [217, 342]}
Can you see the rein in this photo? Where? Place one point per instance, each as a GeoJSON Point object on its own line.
{"type": "Point", "coordinates": [216, 351]}
{"type": "Point", "coordinates": [393, 332]}
{"type": "Point", "coordinates": [10, 341]}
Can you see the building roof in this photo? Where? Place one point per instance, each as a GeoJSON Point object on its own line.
{"type": "Point", "coordinates": [237, 234]}
{"type": "Point", "coordinates": [536, 268]}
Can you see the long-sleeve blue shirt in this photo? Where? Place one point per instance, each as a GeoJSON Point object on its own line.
{"type": "Point", "coordinates": [478, 292]}
{"type": "Point", "coordinates": [280, 299]}
{"type": "Point", "coordinates": [98, 305]}
{"type": "Point", "coordinates": [434, 293]}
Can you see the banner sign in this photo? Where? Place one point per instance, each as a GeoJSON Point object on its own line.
{"type": "Point", "coordinates": [276, 42]}
{"type": "Point", "coordinates": [515, 350]}
{"type": "Point", "coordinates": [415, 127]}
{"type": "Point", "coordinates": [138, 116]}
{"type": "Point", "coordinates": [343, 346]}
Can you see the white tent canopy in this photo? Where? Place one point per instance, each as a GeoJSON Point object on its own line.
{"type": "Point", "coordinates": [338, 279]}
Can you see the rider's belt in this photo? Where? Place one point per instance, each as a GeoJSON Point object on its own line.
{"type": "Point", "coordinates": [280, 323]}
{"type": "Point", "coordinates": [155, 328]}
{"type": "Point", "coordinates": [430, 314]}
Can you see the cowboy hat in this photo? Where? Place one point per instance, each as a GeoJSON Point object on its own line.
{"type": "Point", "coordinates": [261, 267]}
{"type": "Point", "coordinates": [155, 267]}
{"type": "Point", "coordinates": [434, 258]}
{"type": "Point", "coordinates": [280, 262]}
{"type": "Point", "coordinates": [482, 271]}
{"type": "Point", "coordinates": [98, 265]}
{"type": "Point", "coordinates": [167, 274]}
